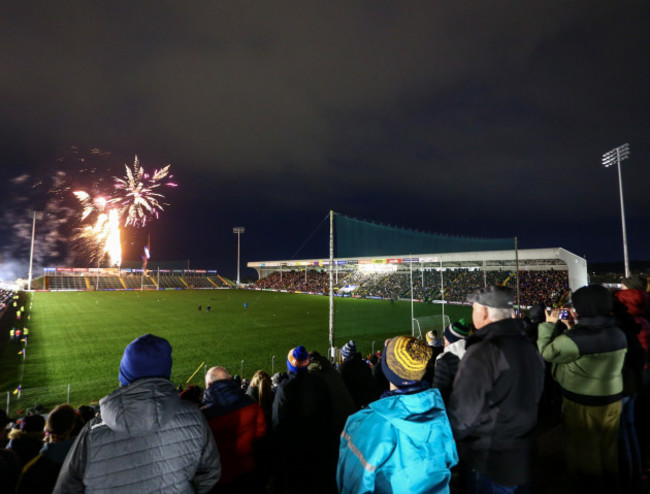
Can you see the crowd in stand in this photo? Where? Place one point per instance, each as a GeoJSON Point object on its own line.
{"type": "Point", "coordinates": [458, 411]}
{"type": "Point", "coordinates": [297, 281]}
{"type": "Point", "coordinates": [534, 286]}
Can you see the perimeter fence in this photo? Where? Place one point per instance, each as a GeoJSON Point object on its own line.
{"type": "Point", "coordinates": [78, 393]}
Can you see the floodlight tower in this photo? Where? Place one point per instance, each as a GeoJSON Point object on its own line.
{"type": "Point", "coordinates": [615, 156]}
{"type": "Point", "coordinates": [31, 253]}
{"type": "Point", "coordinates": [238, 230]}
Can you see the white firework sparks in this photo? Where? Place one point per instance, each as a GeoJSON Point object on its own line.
{"type": "Point", "coordinates": [138, 198]}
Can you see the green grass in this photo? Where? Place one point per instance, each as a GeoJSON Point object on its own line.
{"type": "Point", "coordinates": [77, 338]}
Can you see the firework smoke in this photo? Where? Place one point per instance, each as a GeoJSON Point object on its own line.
{"type": "Point", "coordinates": [65, 234]}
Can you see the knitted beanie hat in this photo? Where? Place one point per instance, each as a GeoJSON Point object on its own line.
{"type": "Point", "coordinates": [146, 356]}
{"type": "Point", "coordinates": [349, 349]}
{"type": "Point", "coordinates": [298, 359]}
{"type": "Point", "coordinates": [432, 339]}
{"type": "Point", "coordinates": [405, 360]}
{"type": "Point", "coordinates": [458, 330]}
{"type": "Point", "coordinates": [593, 300]}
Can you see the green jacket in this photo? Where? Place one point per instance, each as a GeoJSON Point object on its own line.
{"type": "Point", "coordinates": [587, 359]}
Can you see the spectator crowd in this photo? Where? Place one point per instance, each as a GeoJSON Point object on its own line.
{"type": "Point", "coordinates": [461, 411]}
{"type": "Point", "coordinates": [549, 286]}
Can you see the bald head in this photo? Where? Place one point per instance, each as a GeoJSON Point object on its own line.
{"type": "Point", "coordinates": [216, 374]}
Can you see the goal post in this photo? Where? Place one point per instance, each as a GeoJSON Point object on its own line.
{"type": "Point", "coordinates": [422, 325]}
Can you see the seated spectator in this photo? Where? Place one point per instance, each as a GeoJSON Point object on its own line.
{"type": "Point", "coordinates": [144, 434]}
{"type": "Point", "coordinates": [403, 441]}
{"type": "Point", "coordinates": [447, 362]}
{"type": "Point", "coordinates": [239, 427]}
{"type": "Point", "coordinates": [40, 474]}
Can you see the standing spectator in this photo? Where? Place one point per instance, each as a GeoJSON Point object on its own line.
{"type": "Point", "coordinates": [587, 362]}
{"type": "Point", "coordinates": [144, 436]}
{"type": "Point", "coordinates": [26, 438]}
{"type": "Point", "coordinates": [302, 412]}
{"type": "Point", "coordinates": [403, 441]}
{"type": "Point", "coordinates": [261, 390]}
{"type": "Point", "coordinates": [630, 458]}
{"type": "Point", "coordinates": [493, 405]}
{"type": "Point", "coordinates": [434, 342]}
{"type": "Point", "coordinates": [635, 299]}
{"type": "Point", "coordinates": [357, 376]}
{"type": "Point", "coordinates": [446, 364]}
{"type": "Point", "coordinates": [40, 474]}
{"type": "Point", "coordinates": [239, 427]}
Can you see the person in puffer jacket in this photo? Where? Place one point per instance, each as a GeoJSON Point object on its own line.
{"type": "Point", "coordinates": [402, 442]}
{"type": "Point", "coordinates": [145, 438]}
{"type": "Point", "coordinates": [447, 362]}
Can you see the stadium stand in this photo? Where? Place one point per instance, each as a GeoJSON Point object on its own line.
{"type": "Point", "coordinates": [60, 279]}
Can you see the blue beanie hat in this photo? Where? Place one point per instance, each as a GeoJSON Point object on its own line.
{"type": "Point", "coordinates": [348, 350]}
{"type": "Point", "coordinates": [146, 356]}
{"type": "Point", "coordinates": [298, 359]}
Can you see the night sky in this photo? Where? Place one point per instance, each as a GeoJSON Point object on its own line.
{"type": "Point", "coordinates": [477, 119]}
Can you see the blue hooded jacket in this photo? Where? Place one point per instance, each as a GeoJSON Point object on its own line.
{"type": "Point", "coordinates": [400, 443]}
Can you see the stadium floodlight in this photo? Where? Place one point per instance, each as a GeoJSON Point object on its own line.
{"type": "Point", "coordinates": [238, 230]}
{"type": "Point", "coordinates": [35, 215]}
{"type": "Point", "coordinates": [615, 156]}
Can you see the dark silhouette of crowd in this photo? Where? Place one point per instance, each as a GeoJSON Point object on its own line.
{"type": "Point", "coordinates": [464, 410]}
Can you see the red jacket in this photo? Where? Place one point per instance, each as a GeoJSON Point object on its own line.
{"type": "Point", "coordinates": [636, 301]}
{"type": "Point", "coordinates": [238, 426]}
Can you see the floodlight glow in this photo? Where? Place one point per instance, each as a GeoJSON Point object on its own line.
{"type": "Point", "coordinates": [377, 268]}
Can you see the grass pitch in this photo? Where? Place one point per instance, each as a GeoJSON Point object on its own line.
{"type": "Point", "coordinates": [77, 339]}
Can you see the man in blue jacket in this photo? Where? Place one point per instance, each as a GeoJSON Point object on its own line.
{"type": "Point", "coordinates": [403, 441]}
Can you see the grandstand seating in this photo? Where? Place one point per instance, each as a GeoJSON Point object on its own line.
{"type": "Point", "coordinates": [132, 281]}
{"type": "Point", "coordinates": [535, 286]}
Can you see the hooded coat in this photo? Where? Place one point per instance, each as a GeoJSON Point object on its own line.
{"type": "Point", "coordinates": [238, 425]}
{"type": "Point", "coordinates": [399, 443]}
{"type": "Point", "coordinates": [145, 439]}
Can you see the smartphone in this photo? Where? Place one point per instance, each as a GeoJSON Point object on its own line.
{"type": "Point", "coordinates": [564, 313]}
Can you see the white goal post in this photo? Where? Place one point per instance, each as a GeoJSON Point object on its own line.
{"type": "Point", "coordinates": [422, 325]}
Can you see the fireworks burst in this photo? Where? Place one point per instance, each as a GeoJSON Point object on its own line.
{"type": "Point", "coordinates": [134, 201]}
{"type": "Point", "coordinates": [139, 200]}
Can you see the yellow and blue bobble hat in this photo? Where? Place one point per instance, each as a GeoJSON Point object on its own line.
{"type": "Point", "coordinates": [405, 360]}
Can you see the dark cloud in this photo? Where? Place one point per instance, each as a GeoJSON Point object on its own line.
{"type": "Point", "coordinates": [466, 118]}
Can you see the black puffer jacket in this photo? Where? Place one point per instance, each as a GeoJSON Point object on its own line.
{"type": "Point", "coordinates": [493, 405]}
{"type": "Point", "coordinates": [145, 439]}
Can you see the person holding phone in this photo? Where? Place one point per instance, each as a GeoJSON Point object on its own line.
{"type": "Point", "coordinates": [587, 362]}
